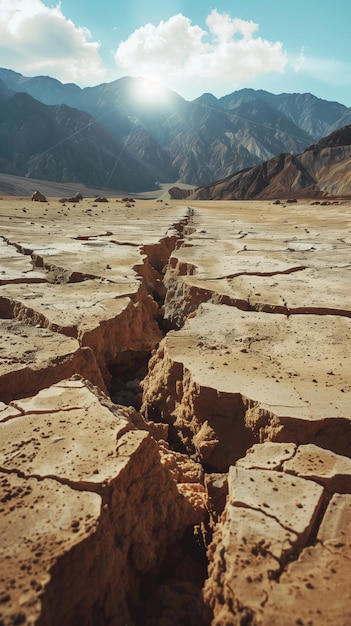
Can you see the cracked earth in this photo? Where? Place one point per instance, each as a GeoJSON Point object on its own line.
{"type": "Point", "coordinates": [175, 413]}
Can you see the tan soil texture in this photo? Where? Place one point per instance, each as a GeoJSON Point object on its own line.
{"type": "Point", "coordinates": [243, 438]}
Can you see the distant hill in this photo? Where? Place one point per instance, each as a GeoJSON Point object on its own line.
{"type": "Point", "coordinates": [120, 141]}
{"type": "Point", "coordinates": [322, 170]}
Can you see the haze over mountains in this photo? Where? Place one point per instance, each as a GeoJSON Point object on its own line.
{"type": "Point", "coordinates": [106, 136]}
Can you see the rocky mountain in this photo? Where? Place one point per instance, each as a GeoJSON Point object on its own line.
{"type": "Point", "coordinates": [175, 140]}
{"type": "Point", "coordinates": [5, 92]}
{"type": "Point", "coordinates": [323, 169]}
{"type": "Point", "coordinates": [58, 143]}
{"type": "Point", "coordinates": [313, 115]}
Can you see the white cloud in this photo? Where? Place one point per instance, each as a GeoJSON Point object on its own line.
{"type": "Point", "coordinates": [225, 27]}
{"type": "Point", "coordinates": [165, 47]}
{"type": "Point", "coordinates": [36, 39]}
{"type": "Point", "coordinates": [228, 53]}
{"type": "Point", "coordinates": [183, 55]}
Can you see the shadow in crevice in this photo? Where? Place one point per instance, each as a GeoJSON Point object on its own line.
{"type": "Point", "coordinates": [127, 372]}
{"type": "Point", "coordinates": [173, 594]}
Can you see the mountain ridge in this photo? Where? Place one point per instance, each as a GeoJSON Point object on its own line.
{"type": "Point", "coordinates": [174, 140]}
{"type": "Point", "coordinates": [47, 142]}
{"type": "Point", "coordinates": [322, 170]}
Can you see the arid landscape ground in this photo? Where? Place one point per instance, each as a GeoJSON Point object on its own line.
{"type": "Point", "coordinates": [175, 386]}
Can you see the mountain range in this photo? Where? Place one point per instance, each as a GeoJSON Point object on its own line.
{"type": "Point", "coordinates": [106, 136]}
{"type": "Point", "coordinates": [322, 170]}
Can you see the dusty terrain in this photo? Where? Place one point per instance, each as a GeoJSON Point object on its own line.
{"type": "Point", "coordinates": [175, 413]}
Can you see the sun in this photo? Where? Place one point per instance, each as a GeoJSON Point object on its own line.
{"type": "Point", "coordinates": [150, 92]}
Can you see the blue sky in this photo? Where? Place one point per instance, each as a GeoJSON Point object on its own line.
{"type": "Point", "coordinates": [191, 47]}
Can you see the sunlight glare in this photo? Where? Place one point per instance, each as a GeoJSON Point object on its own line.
{"type": "Point", "coordinates": [150, 92]}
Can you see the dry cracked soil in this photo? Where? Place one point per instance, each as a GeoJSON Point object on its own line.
{"type": "Point", "coordinates": [175, 413]}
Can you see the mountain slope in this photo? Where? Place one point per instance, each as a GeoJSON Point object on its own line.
{"type": "Point", "coordinates": [62, 144]}
{"type": "Point", "coordinates": [313, 115]}
{"type": "Point", "coordinates": [345, 120]}
{"type": "Point", "coordinates": [44, 88]}
{"type": "Point", "coordinates": [321, 170]}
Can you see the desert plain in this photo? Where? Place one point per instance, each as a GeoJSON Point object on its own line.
{"type": "Point", "coordinates": [175, 415]}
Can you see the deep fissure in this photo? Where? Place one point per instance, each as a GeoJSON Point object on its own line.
{"type": "Point", "coordinates": [184, 568]}
{"type": "Point", "coordinates": [183, 571]}
{"type": "Point", "coordinates": [127, 373]}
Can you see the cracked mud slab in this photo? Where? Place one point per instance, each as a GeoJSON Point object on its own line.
{"type": "Point", "coordinates": [294, 291]}
{"type": "Point", "coordinates": [280, 260]}
{"type": "Point", "coordinates": [106, 318]}
{"type": "Point", "coordinates": [95, 283]}
{"type": "Point", "coordinates": [41, 522]}
{"type": "Point", "coordinates": [281, 553]}
{"type": "Point", "coordinates": [328, 469]}
{"type": "Point", "coordinates": [79, 484]}
{"type": "Point", "coordinates": [229, 375]}
{"type": "Point", "coordinates": [262, 358]}
{"type": "Point", "coordinates": [315, 588]}
{"type": "Point", "coordinates": [16, 268]}
{"type": "Point", "coordinates": [33, 358]}
{"type": "Point", "coordinates": [53, 436]}
{"type": "Point", "coordinates": [67, 307]}
{"type": "Point", "coordinates": [261, 528]}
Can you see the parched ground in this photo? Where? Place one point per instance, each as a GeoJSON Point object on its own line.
{"type": "Point", "coordinates": [175, 422]}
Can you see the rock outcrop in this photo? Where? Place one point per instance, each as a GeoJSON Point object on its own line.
{"type": "Point", "coordinates": [37, 196]}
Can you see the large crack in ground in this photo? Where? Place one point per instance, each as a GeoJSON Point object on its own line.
{"type": "Point", "coordinates": [126, 370]}
{"type": "Point", "coordinates": [288, 556]}
{"type": "Point", "coordinates": [189, 306]}
{"type": "Point", "coordinates": [172, 589]}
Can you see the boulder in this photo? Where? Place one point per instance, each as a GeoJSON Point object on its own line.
{"type": "Point", "coordinates": [37, 196]}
